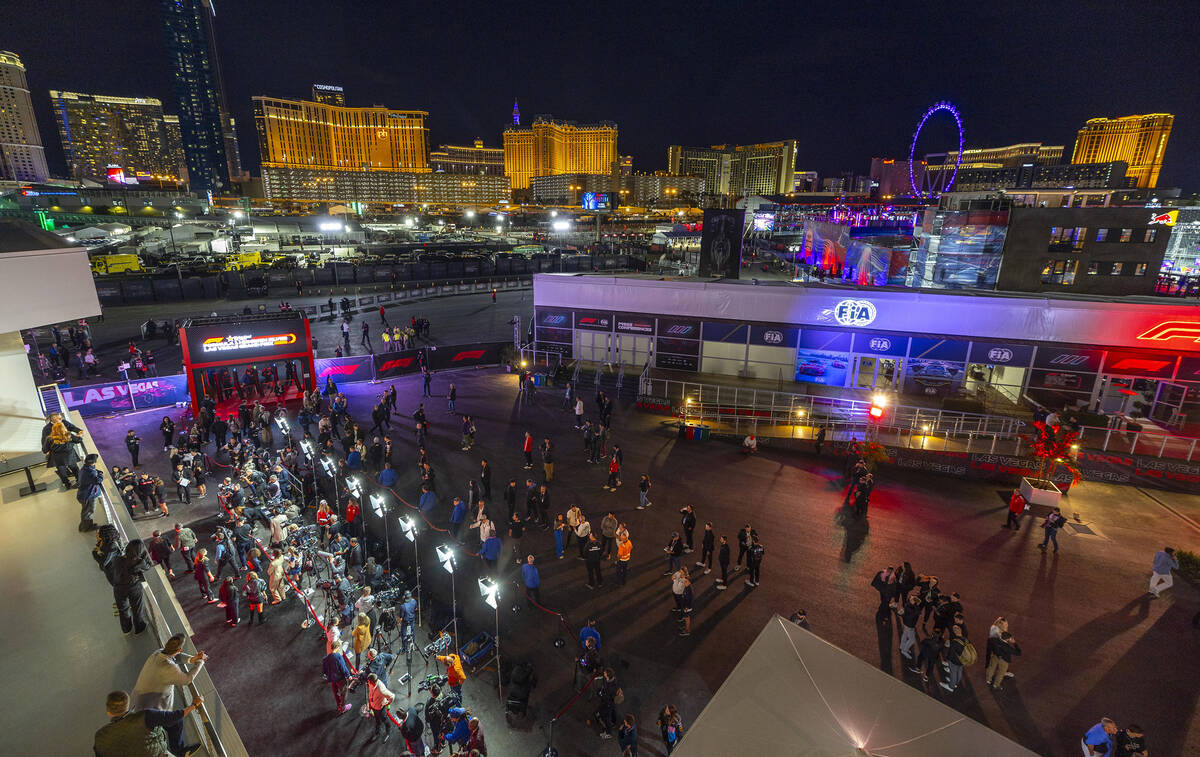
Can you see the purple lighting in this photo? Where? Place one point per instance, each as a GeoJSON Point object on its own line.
{"type": "Point", "coordinates": [912, 179]}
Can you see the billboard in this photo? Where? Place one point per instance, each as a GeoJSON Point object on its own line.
{"type": "Point", "coordinates": [246, 342]}
{"type": "Point", "coordinates": [596, 201]}
{"type": "Point", "coordinates": [764, 221]}
{"type": "Point", "coordinates": [101, 399]}
{"type": "Point", "coordinates": [393, 364]}
{"type": "Point", "coordinates": [344, 370]}
{"type": "Point", "coordinates": [721, 243]}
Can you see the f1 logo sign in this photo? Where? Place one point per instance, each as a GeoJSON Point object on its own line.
{"type": "Point", "coordinates": [469, 355]}
{"type": "Point", "coordinates": [1172, 330]}
{"type": "Point", "coordinates": [338, 370]}
{"type": "Point", "coordinates": [1136, 364]}
{"type": "Point", "coordinates": [400, 362]}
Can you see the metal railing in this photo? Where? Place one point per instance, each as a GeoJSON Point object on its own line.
{"type": "Point", "coordinates": [768, 413]}
{"type": "Point", "coordinates": [211, 720]}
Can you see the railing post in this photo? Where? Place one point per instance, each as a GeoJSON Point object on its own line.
{"type": "Point", "coordinates": [994, 438]}
{"type": "Point", "coordinates": [1107, 435]}
{"type": "Point", "coordinates": [1162, 446]}
{"type": "Point", "coordinates": [1133, 447]}
{"type": "Point", "coordinates": [971, 438]}
{"type": "Point", "coordinates": [1191, 449]}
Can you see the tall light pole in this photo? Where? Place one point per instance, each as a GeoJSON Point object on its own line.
{"type": "Point", "coordinates": [490, 591]}
{"type": "Point", "coordinates": [446, 558]}
{"type": "Point", "coordinates": [410, 532]}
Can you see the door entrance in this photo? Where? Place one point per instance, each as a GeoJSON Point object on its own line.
{"type": "Point", "coordinates": [632, 350]}
{"type": "Point", "coordinates": [878, 373]}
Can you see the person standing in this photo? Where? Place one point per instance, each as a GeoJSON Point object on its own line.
{"type": "Point", "coordinates": [744, 538]}
{"type": "Point", "coordinates": [155, 687]}
{"type": "Point", "coordinates": [627, 736]}
{"type": "Point", "coordinates": [1000, 653]}
{"type": "Point", "coordinates": [412, 730]}
{"type": "Point", "coordinates": [624, 553]}
{"type": "Point", "coordinates": [593, 556]}
{"type": "Point", "coordinates": [1160, 576]}
{"type": "Point", "coordinates": [345, 333]}
{"type": "Point", "coordinates": [909, 613]}
{"type": "Point", "coordinates": [516, 530]}
{"type": "Point", "coordinates": [127, 588]}
{"type": "Point", "coordinates": [754, 561]}
{"type": "Point", "coordinates": [574, 516]}
{"type": "Point", "coordinates": [608, 533]}
{"type": "Point", "coordinates": [614, 474]}
{"type": "Point", "coordinates": [583, 532]}
{"type": "Point", "coordinates": [379, 698]}
{"type": "Point", "coordinates": [688, 522]}
{"type": "Point", "coordinates": [723, 561]}
{"type": "Point", "coordinates": [1053, 522]}
{"type": "Point", "coordinates": [255, 590]}
{"type": "Point", "coordinates": [133, 443]}
{"type": "Point", "coordinates": [485, 479]}
{"type": "Point", "coordinates": [578, 412]}
{"type": "Point", "coordinates": [930, 650]}
{"type": "Point", "coordinates": [548, 459]}
{"type": "Point", "coordinates": [819, 441]}
{"type": "Point", "coordinates": [674, 551]}
{"type": "Point", "coordinates": [706, 549]}
{"type": "Point", "coordinates": [527, 449]}
{"type": "Point", "coordinates": [167, 427]}
{"type": "Point", "coordinates": [644, 492]}
{"type": "Point", "coordinates": [365, 340]}
{"type": "Point", "coordinates": [1099, 740]}
{"type": "Point", "coordinates": [671, 726]}
{"type": "Point", "coordinates": [606, 691]}
{"type": "Point", "coordinates": [954, 658]}
{"type": "Point", "coordinates": [147, 732]}
{"type": "Point", "coordinates": [185, 542]}
{"type": "Point", "coordinates": [533, 580]}
{"type": "Point", "coordinates": [451, 396]}
{"type": "Point", "coordinates": [1131, 742]}
{"type": "Point", "coordinates": [204, 576]}
{"type": "Point", "coordinates": [560, 533]}
{"type": "Point", "coordinates": [1016, 506]}
{"type": "Point", "coordinates": [426, 382]}
{"type": "Point", "coordinates": [454, 673]}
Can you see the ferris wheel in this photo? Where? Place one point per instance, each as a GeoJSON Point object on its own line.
{"type": "Point", "coordinates": [929, 181]}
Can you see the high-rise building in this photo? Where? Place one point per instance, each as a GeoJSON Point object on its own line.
{"type": "Point", "coordinates": [1009, 156]}
{"type": "Point", "coordinates": [321, 136]}
{"type": "Point", "coordinates": [22, 157]}
{"type": "Point", "coordinates": [174, 136]}
{"type": "Point", "coordinates": [209, 134]}
{"type": "Point", "coordinates": [1140, 141]}
{"type": "Point", "coordinates": [767, 168]}
{"type": "Point", "coordinates": [329, 94]}
{"type": "Point", "coordinates": [477, 159]}
{"type": "Point", "coordinates": [316, 152]}
{"type": "Point", "coordinates": [99, 131]}
{"type": "Point", "coordinates": [516, 114]}
{"type": "Point", "coordinates": [548, 147]}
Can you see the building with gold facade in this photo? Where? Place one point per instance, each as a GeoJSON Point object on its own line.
{"type": "Point", "coordinates": [133, 133]}
{"type": "Point", "coordinates": [766, 168]}
{"type": "Point", "coordinates": [1140, 141]}
{"type": "Point", "coordinates": [321, 152]}
{"type": "Point", "coordinates": [548, 147]}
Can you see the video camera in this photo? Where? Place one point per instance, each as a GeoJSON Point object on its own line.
{"type": "Point", "coordinates": [433, 679]}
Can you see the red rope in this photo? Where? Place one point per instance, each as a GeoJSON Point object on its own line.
{"type": "Point", "coordinates": [559, 615]}
{"type": "Point", "coordinates": [575, 698]}
{"type": "Point", "coordinates": [311, 610]}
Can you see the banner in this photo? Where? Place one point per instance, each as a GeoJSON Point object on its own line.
{"type": "Point", "coordinates": [721, 243]}
{"type": "Point", "coordinates": [467, 355]}
{"type": "Point", "coordinates": [393, 364]}
{"type": "Point", "coordinates": [100, 399]}
{"type": "Point", "coordinates": [343, 370]}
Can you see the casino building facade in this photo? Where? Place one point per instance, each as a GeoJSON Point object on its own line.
{"type": "Point", "coordinates": [1138, 355]}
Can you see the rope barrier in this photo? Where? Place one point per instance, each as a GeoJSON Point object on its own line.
{"type": "Point", "coordinates": [311, 610]}
{"type": "Point", "coordinates": [561, 618]}
{"type": "Point", "coordinates": [575, 698]}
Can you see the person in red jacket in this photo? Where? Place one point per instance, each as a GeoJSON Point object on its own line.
{"type": "Point", "coordinates": [1016, 506]}
{"type": "Point", "coordinates": [527, 448]}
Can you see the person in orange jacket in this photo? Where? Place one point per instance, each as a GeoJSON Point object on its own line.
{"type": "Point", "coordinates": [454, 673]}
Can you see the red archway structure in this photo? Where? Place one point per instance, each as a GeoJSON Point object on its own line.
{"type": "Point", "coordinates": [264, 357]}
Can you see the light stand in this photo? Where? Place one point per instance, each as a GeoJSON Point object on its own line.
{"type": "Point", "coordinates": [330, 468]}
{"type": "Point", "coordinates": [410, 532]}
{"type": "Point", "coordinates": [379, 506]}
{"type": "Point", "coordinates": [282, 422]}
{"type": "Point", "coordinates": [446, 558]}
{"type": "Point", "coordinates": [490, 591]}
{"type": "Point", "coordinates": [306, 447]}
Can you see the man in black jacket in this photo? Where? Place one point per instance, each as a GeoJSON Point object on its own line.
{"type": "Point", "coordinates": [688, 521]}
{"type": "Point", "coordinates": [1000, 652]}
{"type": "Point", "coordinates": [127, 590]}
{"type": "Point", "coordinates": [91, 487]}
{"type": "Point", "coordinates": [411, 729]}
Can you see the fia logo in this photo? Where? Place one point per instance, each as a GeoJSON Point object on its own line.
{"type": "Point", "coordinates": [879, 344]}
{"type": "Point", "coordinates": [1069, 359]}
{"type": "Point", "coordinates": [854, 312]}
{"type": "Point", "coordinates": [678, 330]}
{"type": "Point", "coordinates": [1000, 355]}
{"type": "Point", "coordinates": [773, 337]}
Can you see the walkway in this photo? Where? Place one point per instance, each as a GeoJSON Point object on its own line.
{"type": "Point", "coordinates": [68, 651]}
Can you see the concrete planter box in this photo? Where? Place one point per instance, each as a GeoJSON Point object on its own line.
{"type": "Point", "coordinates": [1040, 492]}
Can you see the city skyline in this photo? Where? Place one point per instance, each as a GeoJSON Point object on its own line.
{"type": "Point", "coordinates": [813, 81]}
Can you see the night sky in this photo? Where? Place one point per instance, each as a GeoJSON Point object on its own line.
{"type": "Point", "coordinates": [848, 84]}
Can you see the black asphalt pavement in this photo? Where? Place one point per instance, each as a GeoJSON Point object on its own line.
{"type": "Point", "coordinates": [1094, 643]}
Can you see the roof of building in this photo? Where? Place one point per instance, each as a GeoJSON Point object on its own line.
{"type": "Point", "coordinates": [21, 236]}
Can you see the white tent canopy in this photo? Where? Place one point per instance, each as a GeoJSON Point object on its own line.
{"type": "Point", "coordinates": [794, 693]}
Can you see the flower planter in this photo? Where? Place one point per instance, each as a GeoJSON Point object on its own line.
{"type": "Point", "coordinates": [1040, 492]}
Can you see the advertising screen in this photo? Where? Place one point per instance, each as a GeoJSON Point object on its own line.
{"type": "Point", "coordinates": [764, 221]}
{"type": "Point", "coordinates": [596, 201]}
{"type": "Point", "coordinates": [822, 367]}
{"type": "Point", "coordinates": [101, 399]}
{"type": "Point", "coordinates": [934, 378]}
{"type": "Point", "coordinates": [255, 340]}
{"type": "Point", "coordinates": [721, 243]}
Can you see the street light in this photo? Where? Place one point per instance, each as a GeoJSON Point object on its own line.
{"type": "Point", "coordinates": [490, 591]}
{"type": "Point", "coordinates": [446, 558]}
{"type": "Point", "coordinates": [409, 527]}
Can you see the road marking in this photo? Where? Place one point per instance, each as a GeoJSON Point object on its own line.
{"type": "Point", "coordinates": [1195, 526]}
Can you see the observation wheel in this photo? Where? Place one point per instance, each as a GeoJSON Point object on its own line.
{"type": "Point", "coordinates": [929, 181]}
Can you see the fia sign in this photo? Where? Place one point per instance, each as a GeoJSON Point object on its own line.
{"type": "Point", "coordinates": [854, 313]}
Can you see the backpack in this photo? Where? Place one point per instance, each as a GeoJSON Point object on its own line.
{"type": "Point", "coordinates": [968, 655]}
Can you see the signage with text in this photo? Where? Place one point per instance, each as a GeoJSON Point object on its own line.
{"type": "Point", "coordinates": [635, 324]}
{"type": "Point", "coordinates": [593, 320]}
{"type": "Point", "coordinates": [889, 345]}
{"type": "Point", "coordinates": [996, 353]}
{"type": "Point", "coordinates": [854, 313]}
{"type": "Point", "coordinates": [774, 336]}
{"type": "Point", "coordinates": [677, 362]}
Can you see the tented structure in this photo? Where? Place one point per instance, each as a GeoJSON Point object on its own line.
{"type": "Point", "coordinates": [795, 694]}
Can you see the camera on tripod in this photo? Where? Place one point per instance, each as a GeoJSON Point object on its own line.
{"type": "Point", "coordinates": [432, 679]}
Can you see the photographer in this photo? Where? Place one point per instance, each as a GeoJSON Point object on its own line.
{"type": "Point", "coordinates": [435, 716]}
